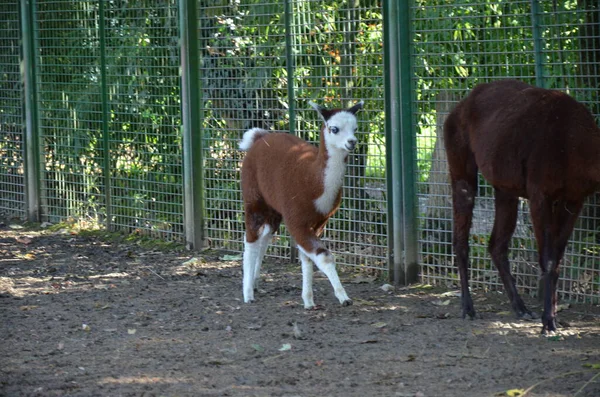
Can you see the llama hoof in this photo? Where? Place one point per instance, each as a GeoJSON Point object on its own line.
{"type": "Point", "coordinates": [347, 302]}
{"type": "Point", "coordinates": [527, 315]}
{"type": "Point", "coordinates": [548, 326]}
{"type": "Point", "coordinates": [469, 311]}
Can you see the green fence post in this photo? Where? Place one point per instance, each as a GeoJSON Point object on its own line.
{"type": "Point", "coordinates": [28, 75]}
{"type": "Point", "coordinates": [409, 194]}
{"type": "Point", "coordinates": [537, 44]}
{"type": "Point", "coordinates": [191, 125]}
{"type": "Point", "coordinates": [105, 118]}
{"type": "Point", "coordinates": [392, 134]}
{"type": "Point", "coordinates": [402, 242]}
{"type": "Point", "coordinates": [291, 89]}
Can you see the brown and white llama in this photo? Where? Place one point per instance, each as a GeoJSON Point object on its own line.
{"type": "Point", "coordinates": [285, 177]}
{"type": "Point", "coordinates": [527, 142]}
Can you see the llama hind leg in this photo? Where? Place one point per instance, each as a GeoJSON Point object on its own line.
{"type": "Point", "coordinates": [251, 253]}
{"type": "Point", "coordinates": [505, 221]}
{"type": "Point", "coordinates": [263, 243]}
{"type": "Point", "coordinates": [325, 262]}
{"type": "Point", "coordinates": [307, 281]}
{"type": "Point", "coordinates": [553, 223]}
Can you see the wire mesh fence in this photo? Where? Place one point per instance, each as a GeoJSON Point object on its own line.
{"type": "Point", "coordinates": [464, 43]}
{"type": "Point", "coordinates": [12, 182]}
{"type": "Point", "coordinates": [255, 76]}
{"type": "Point", "coordinates": [111, 149]}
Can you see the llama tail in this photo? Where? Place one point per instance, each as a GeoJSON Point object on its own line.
{"type": "Point", "coordinates": [250, 136]}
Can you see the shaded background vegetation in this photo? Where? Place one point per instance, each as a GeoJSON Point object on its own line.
{"type": "Point", "coordinates": [109, 112]}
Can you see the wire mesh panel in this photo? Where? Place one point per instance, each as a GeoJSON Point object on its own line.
{"type": "Point", "coordinates": [456, 46]}
{"type": "Point", "coordinates": [244, 85]}
{"type": "Point", "coordinates": [571, 56]}
{"type": "Point", "coordinates": [69, 109]}
{"type": "Point", "coordinates": [110, 112]}
{"type": "Point", "coordinates": [143, 94]}
{"type": "Point", "coordinates": [338, 61]}
{"type": "Point", "coordinates": [12, 195]}
{"type": "Point", "coordinates": [336, 56]}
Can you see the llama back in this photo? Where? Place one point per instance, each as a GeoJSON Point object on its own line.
{"type": "Point", "coordinates": [278, 163]}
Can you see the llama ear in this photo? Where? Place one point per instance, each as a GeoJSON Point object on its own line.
{"type": "Point", "coordinates": [324, 113]}
{"type": "Point", "coordinates": [356, 107]}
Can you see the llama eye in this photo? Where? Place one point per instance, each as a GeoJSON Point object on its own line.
{"type": "Point", "coordinates": [334, 130]}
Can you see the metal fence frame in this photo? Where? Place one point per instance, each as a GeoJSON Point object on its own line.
{"type": "Point", "coordinates": [395, 219]}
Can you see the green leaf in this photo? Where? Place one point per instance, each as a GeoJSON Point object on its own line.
{"type": "Point", "coordinates": [257, 347]}
{"type": "Point", "coordinates": [515, 392]}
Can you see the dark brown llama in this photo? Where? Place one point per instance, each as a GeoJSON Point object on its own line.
{"type": "Point", "coordinates": [528, 142]}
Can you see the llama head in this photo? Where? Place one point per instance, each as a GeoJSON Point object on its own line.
{"type": "Point", "coordinates": [340, 126]}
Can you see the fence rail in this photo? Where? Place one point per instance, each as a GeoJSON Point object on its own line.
{"type": "Point", "coordinates": [128, 115]}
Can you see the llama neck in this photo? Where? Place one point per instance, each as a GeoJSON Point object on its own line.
{"type": "Point", "coordinates": [333, 164]}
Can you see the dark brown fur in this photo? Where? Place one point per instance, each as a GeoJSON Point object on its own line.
{"type": "Point", "coordinates": [527, 142]}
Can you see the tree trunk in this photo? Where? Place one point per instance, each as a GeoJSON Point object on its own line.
{"type": "Point", "coordinates": [437, 234]}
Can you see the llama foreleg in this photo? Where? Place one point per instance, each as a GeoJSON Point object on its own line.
{"type": "Point", "coordinates": [325, 262]}
{"type": "Point", "coordinates": [307, 281]}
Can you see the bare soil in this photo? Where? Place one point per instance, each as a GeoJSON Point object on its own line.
{"type": "Point", "coordinates": [86, 316]}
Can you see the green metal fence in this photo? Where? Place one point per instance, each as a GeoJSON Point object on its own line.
{"type": "Point", "coordinates": [462, 43]}
{"type": "Point", "coordinates": [132, 111]}
{"type": "Point", "coordinates": [12, 182]}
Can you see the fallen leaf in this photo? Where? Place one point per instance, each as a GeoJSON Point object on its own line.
{"type": "Point", "coordinates": [257, 347]}
{"type": "Point", "coordinates": [61, 345]}
{"type": "Point", "coordinates": [441, 303]}
{"type": "Point", "coordinates": [15, 227]}
{"type": "Point", "coordinates": [191, 262]}
{"type": "Point", "coordinates": [379, 325]}
{"type": "Point", "coordinates": [363, 280]}
{"type": "Point", "coordinates": [297, 332]}
{"type": "Point", "coordinates": [592, 366]}
{"type": "Point", "coordinates": [562, 306]}
{"type": "Point", "coordinates": [28, 307]}
{"type": "Point", "coordinates": [362, 302]}
{"type": "Point", "coordinates": [450, 294]}
{"type": "Point", "coordinates": [411, 357]}
{"type": "Point", "coordinates": [318, 363]}
{"type": "Point", "coordinates": [515, 392]}
{"type": "Point", "coordinates": [86, 327]}
{"type": "Point", "coordinates": [231, 257]}
{"type": "Point", "coordinates": [24, 240]}
{"type": "Point", "coordinates": [387, 287]}
{"type": "Point", "coordinates": [285, 347]}
{"type": "Point", "coordinates": [504, 313]}
{"type": "Point", "coordinates": [556, 338]}
{"type": "Point", "coordinates": [131, 331]}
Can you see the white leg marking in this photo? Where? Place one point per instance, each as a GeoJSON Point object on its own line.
{"type": "Point", "coordinates": [325, 263]}
{"type": "Point", "coordinates": [263, 244]}
{"type": "Point", "coordinates": [307, 281]}
{"type": "Point", "coordinates": [251, 251]}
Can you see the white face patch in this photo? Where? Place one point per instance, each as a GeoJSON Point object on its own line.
{"type": "Point", "coordinates": [339, 132]}
{"type": "Point", "coordinates": [339, 140]}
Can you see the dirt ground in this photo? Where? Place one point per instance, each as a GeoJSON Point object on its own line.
{"type": "Point", "coordinates": [86, 316]}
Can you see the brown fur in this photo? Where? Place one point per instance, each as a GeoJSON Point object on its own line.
{"type": "Point", "coordinates": [278, 181]}
{"type": "Point", "coordinates": [527, 142]}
